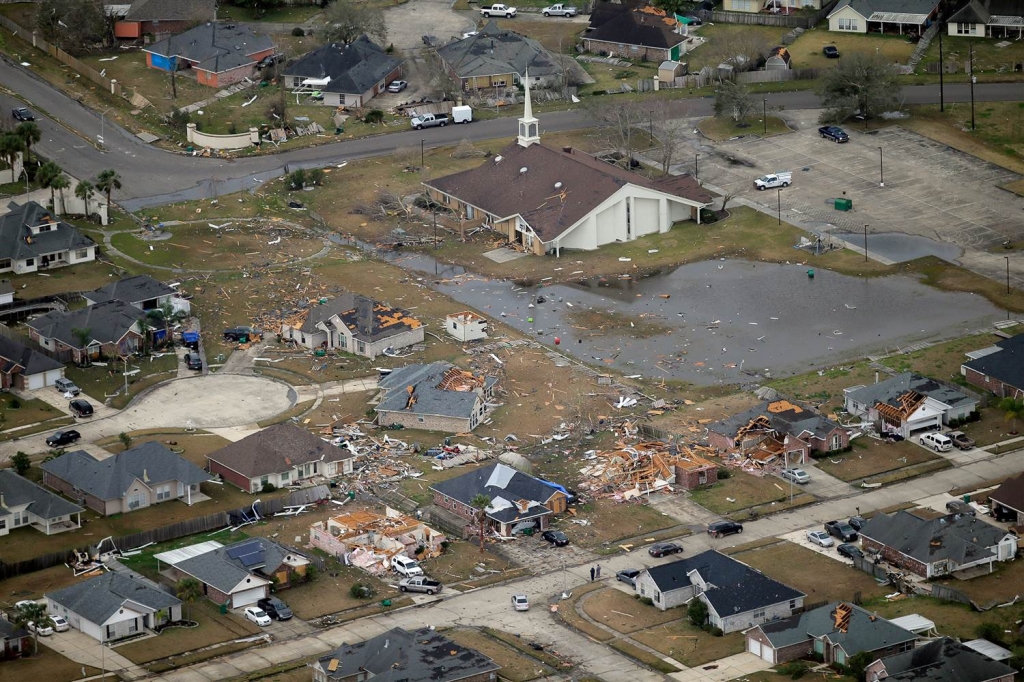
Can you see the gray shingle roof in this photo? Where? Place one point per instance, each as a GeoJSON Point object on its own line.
{"type": "Point", "coordinates": [9, 631]}
{"type": "Point", "coordinates": [99, 598]}
{"type": "Point", "coordinates": [172, 10]}
{"type": "Point", "coordinates": [962, 540]}
{"type": "Point", "coordinates": [398, 655]}
{"type": "Point", "coordinates": [214, 47]}
{"type": "Point", "coordinates": [6, 287]}
{"type": "Point", "coordinates": [866, 8]}
{"type": "Point", "coordinates": [135, 289]}
{"type": "Point", "coordinates": [430, 399]}
{"type": "Point", "coordinates": [500, 482]}
{"type": "Point", "coordinates": [224, 568]}
{"type": "Point", "coordinates": [14, 228]}
{"type": "Point", "coordinates": [973, 12]}
{"type": "Point", "coordinates": [31, 362]}
{"type": "Point", "coordinates": [1006, 365]}
{"type": "Point", "coordinates": [17, 491]}
{"type": "Point", "coordinates": [110, 478]}
{"type": "Point", "coordinates": [943, 660]}
{"type": "Point", "coordinates": [107, 323]}
{"type": "Point", "coordinates": [636, 28]}
{"type": "Point", "coordinates": [275, 449]}
{"type": "Point", "coordinates": [352, 68]}
{"type": "Point", "coordinates": [891, 389]}
{"type": "Point", "coordinates": [865, 632]}
{"type": "Point", "coordinates": [733, 588]}
{"type": "Point", "coordinates": [495, 51]}
{"type": "Point", "coordinates": [786, 417]}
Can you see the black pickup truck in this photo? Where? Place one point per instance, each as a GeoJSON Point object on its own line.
{"type": "Point", "coordinates": [841, 530]}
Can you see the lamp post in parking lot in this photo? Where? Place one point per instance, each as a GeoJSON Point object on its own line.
{"type": "Point", "coordinates": [780, 206]}
{"type": "Point", "coordinates": [881, 171]}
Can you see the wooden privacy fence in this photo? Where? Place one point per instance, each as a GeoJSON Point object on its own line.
{"type": "Point", "coordinates": [778, 76]}
{"type": "Point", "coordinates": [768, 19]}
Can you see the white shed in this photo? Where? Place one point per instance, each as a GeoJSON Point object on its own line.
{"type": "Point", "coordinates": [466, 326]}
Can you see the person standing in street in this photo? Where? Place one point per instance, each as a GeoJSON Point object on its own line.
{"type": "Point", "coordinates": [592, 571]}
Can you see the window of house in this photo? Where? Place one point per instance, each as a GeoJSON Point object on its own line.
{"type": "Point", "coordinates": [847, 25]}
{"type": "Point", "coordinates": [133, 626]}
{"type": "Point", "coordinates": [3, 524]}
{"type": "Point", "coordinates": [837, 442]}
{"type": "Point", "coordinates": [5, 263]}
{"type": "Point", "coordinates": [759, 614]}
{"type": "Point", "coordinates": [163, 492]}
{"type": "Point", "coordinates": [285, 476]}
{"type": "Point", "coordinates": [29, 262]}
{"type": "Point", "coordinates": [264, 480]}
{"type": "Point", "coordinates": [45, 228]}
{"type": "Point", "coordinates": [343, 342]}
{"type": "Point", "coordinates": [135, 500]}
{"type": "Point", "coordinates": [110, 632]}
{"type": "Point", "coordinates": [20, 519]}
{"type": "Point", "coordinates": [964, 29]}
{"type": "Point", "coordinates": [657, 596]}
{"type": "Point", "coordinates": [362, 347]}
{"type": "Point", "coordinates": [792, 603]}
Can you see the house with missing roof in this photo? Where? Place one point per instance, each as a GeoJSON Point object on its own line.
{"type": "Point", "coordinates": [903, 17]}
{"type": "Point", "coordinates": [237, 575]}
{"type": "Point", "coordinates": [466, 326]}
{"type": "Point", "coordinates": [779, 432]}
{"type": "Point", "coordinates": [737, 596]}
{"type": "Point", "coordinates": [353, 324]}
{"type": "Point", "coordinates": [26, 369]}
{"type": "Point", "coordinates": [218, 54]}
{"type": "Point", "coordinates": [435, 397]}
{"type": "Point", "coordinates": [423, 655]}
{"type": "Point", "coordinates": [644, 33]}
{"type": "Point", "coordinates": [115, 605]}
{"type": "Point", "coordinates": [33, 239]}
{"type": "Point", "coordinates": [137, 478]}
{"type": "Point", "coordinates": [347, 75]}
{"type": "Point", "coordinates": [140, 291]}
{"type": "Point", "coordinates": [369, 540]}
{"type": "Point", "coordinates": [279, 455]}
{"type": "Point", "coordinates": [931, 548]}
{"type": "Point", "coordinates": [908, 402]}
{"type": "Point", "coordinates": [499, 58]}
{"type": "Point", "coordinates": [989, 19]}
{"type": "Point", "coordinates": [138, 18]}
{"type": "Point", "coordinates": [106, 330]}
{"type": "Point", "coordinates": [940, 660]}
{"type": "Point", "coordinates": [836, 632]}
{"type": "Point", "coordinates": [518, 500]}
{"type": "Point", "coordinates": [1007, 501]}
{"type": "Point", "coordinates": [998, 368]}
{"type": "Point", "coordinates": [552, 200]}
{"type": "Point", "coordinates": [23, 504]}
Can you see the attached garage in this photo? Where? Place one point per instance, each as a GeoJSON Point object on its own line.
{"type": "Point", "coordinates": [762, 651]}
{"type": "Point", "coordinates": [248, 597]}
{"type": "Point", "coordinates": [43, 379]}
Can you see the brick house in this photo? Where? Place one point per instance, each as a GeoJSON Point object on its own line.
{"type": "Point", "coordinates": [778, 429]}
{"type": "Point", "coordinates": [836, 632]}
{"type": "Point", "coordinates": [737, 596]}
{"type": "Point", "coordinates": [16, 640]}
{"type": "Point", "coordinates": [160, 17]}
{"type": "Point", "coordinates": [998, 368]}
{"type": "Point", "coordinates": [26, 369]}
{"type": "Point", "coordinates": [435, 397]}
{"type": "Point", "coordinates": [908, 402]}
{"type": "Point", "coordinates": [517, 499]}
{"type": "Point", "coordinates": [218, 54]}
{"type": "Point", "coordinates": [423, 655]}
{"type": "Point", "coordinates": [935, 547]}
{"type": "Point", "coordinates": [279, 455]}
{"type": "Point", "coordinates": [354, 324]}
{"type": "Point", "coordinates": [645, 34]}
{"type": "Point", "coordinates": [1007, 501]}
{"type": "Point", "coordinates": [111, 330]}
{"type": "Point", "coordinates": [939, 660]}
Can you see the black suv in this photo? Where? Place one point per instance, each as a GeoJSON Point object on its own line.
{"type": "Point", "coordinates": [722, 528]}
{"type": "Point", "coordinates": [275, 608]}
{"type": "Point", "coordinates": [81, 408]}
{"type": "Point", "coordinates": [23, 114]}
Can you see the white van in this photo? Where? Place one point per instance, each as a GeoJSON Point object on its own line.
{"type": "Point", "coordinates": [406, 566]}
{"type": "Point", "coordinates": [937, 442]}
{"type": "Point", "coordinates": [462, 114]}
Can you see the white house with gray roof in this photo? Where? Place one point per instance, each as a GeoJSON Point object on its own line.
{"type": "Point", "coordinates": [498, 58]}
{"type": "Point", "coordinates": [883, 16]}
{"type": "Point", "coordinates": [33, 239]}
{"type": "Point", "coordinates": [908, 402]}
{"type": "Point", "coordinates": [435, 397]}
{"type": "Point", "coordinates": [115, 605]}
{"type": "Point", "coordinates": [137, 478]}
{"type": "Point", "coordinates": [346, 75]}
{"type": "Point", "coordinates": [25, 504]}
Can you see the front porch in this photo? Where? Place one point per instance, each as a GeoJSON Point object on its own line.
{"type": "Point", "coordinates": [48, 527]}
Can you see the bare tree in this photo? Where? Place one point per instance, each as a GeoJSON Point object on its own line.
{"type": "Point", "coordinates": [739, 49]}
{"type": "Point", "coordinates": [440, 79]}
{"type": "Point", "coordinates": [733, 100]}
{"type": "Point", "coordinates": [345, 20]}
{"type": "Point", "coordinates": [669, 130]}
{"type": "Point", "coordinates": [618, 119]}
{"type": "Point", "coordinates": [408, 157]}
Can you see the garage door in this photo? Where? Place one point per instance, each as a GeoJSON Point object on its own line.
{"type": "Point", "coordinates": [754, 647]}
{"type": "Point", "coordinates": [247, 597]}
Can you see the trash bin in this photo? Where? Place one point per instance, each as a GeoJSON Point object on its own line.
{"type": "Point", "coordinates": [223, 608]}
{"type": "Point", "coordinates": [351, 494]}
{"type": "Point", "coordinates": [967, 499]}
{"type": "Point", "coordinates": [844, 204]}
{"type": "Point", "coordinates": [385, 603]}
{"type": "Point", "coordinates": [320, 353]}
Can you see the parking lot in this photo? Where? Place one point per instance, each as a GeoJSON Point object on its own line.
{"type": "Point", "coordinates": [930, 190]}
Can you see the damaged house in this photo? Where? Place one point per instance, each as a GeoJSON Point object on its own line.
{"type": "Point", "coordinates": [908, 402]}
{"type": "Point", "coordinates": [647, 467]}
{"type": "Point", "coordinates": [518, 500]}
{"type": "Point", "coordinates": [435, 397]}
{"type": "Point", "coordinates": [369, 540]}
{"type": "Point", "coordinates": [353, 324]}
{"type": "Point", "coordinates": [778, 430]}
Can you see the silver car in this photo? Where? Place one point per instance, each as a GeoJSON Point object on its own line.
{"type": "Point", "coordinates": [796, 475]}
{"type": "Point", "coordinates": [820, 538]}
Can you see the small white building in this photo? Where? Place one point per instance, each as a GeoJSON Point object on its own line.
{"type": "Point", "coordinates": [466, 326]}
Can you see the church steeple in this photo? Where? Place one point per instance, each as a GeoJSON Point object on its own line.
{"type": "Point", "coordinates": [529, 127]}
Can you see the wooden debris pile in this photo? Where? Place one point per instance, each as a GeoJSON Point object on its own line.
{"type": "Point", "coordinates": [640, 469]}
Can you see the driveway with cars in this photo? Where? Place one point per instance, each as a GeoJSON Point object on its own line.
{"type": "Point", "coordinates": [930, 190]}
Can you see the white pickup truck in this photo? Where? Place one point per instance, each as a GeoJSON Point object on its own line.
{"type": "Point", "coordinates": [773, 180]}
{"type": "Point", "coordinates": [498, 11]}
{"type": "Point", "coordinates": [560, 10]}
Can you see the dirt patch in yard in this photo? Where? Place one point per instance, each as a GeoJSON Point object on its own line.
{"type": "Point", "coordinates": [819, 577]}
{"type": "Point", "coordinates": [871, 457]}
{"type": "Point", "coordinates": [625, 613]}
{"type": "Point", "coordinates": [515, 666]}
{"type": "Point", "coordinates": [687, 644]}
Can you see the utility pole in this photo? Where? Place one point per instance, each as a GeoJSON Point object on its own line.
{"type": "Point", "coordinates": [973, 81]}
{"type": "Point", "coordinates": [1007, 275]}
{"type": "Point", "coordinates": [865, 243]}
{"type": "Point", "coordinates": [881, 171]}
{"type": "Point", "coordinates": [421, 154]}
{"type": "Point", "coordinates": [764, 114]}
{"type": "Point", "coordinates": [434, 212]}
{"type": "Point", "coordinates": [696, 168]}
{"type": "Point", "coordinates": [652, 127]}
{"type": "Point", "coordinates": [780, 206]}
{"type": "Point", "coordinates": [942, 68]}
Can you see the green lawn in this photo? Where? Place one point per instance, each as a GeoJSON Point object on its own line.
{"type": "Point", "coordinates": [101, 382]}
{"type": "Point", "coordinates": [687, 644]}
{"type": "Point", "coordinates": [743, 489]}
{"type": "Point", "coordinates": [213, 628]}
{"type": "Point", "coordinates": [806, 50]}
{"type": "Point", "coordinates": [26, 412]}
{"type": "Point", "coordinates": [612, 77]}
{"type": "Point", "coordinates": [130, 69]}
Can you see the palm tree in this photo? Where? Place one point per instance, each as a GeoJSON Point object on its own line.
{"type": "Point", "coordinates": [60, 183]}
{"type": "Point", "coordinates": [29, 133]}
{"type": "Point", "coordinates": [83, 336]}
{"type": "Point", "coordinates": [85, 191]}
{"type": "Point", "coordinates": [45, 176]}
{"type": "Point", "coordinates": [481, 502]}
{"type": "Point", "coordinates": [10, 146]}
{"type": "Point", "coordinates": [1013, 409]}
{"type": "Point", "coordinates": [189, 590]}
{"type": "Point", "coordinates": [34, 613]}
{"type": "Point", "coordinates": [107, 181]}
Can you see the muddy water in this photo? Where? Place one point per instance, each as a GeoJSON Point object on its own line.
{"type": "Point", "coordinates": [728, 320]}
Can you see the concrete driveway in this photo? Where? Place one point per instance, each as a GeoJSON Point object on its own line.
{"type": "Point", "coordinates": [408, 23]}
{"type": "Point", "coordinates": [931, 191]}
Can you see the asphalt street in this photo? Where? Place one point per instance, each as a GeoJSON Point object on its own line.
{"type": "Point", "coordinates": [153, 177]}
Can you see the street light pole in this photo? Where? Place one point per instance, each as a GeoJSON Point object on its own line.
{"type": "Point", "coordinates": [422, 140]}
{"type": "Point", "coordinates": [865, 243]}
{"type": "Point", "coordinates": [780, 206]}
{"type": "Point", "coordinates": [652, 128]}
{"type": "Point", "coordinates": [1007, 285]}
{"type": "Point", "coordinates": [942, 67]}
{"type": "Point", "coordinates": [973, 81]}
{"type": "Point", "coordinates": [764, 114]}
{"type": "Point", "coordinates": [696, 168]}
{"type": "Point", "coordinates": [881, 171]}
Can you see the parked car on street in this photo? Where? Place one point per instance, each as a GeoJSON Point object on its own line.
{"type": "Point", "coordinates": [720, 529]}
{"type": "Point", "coordinates": [961, 440]}
{"type": "Point", "coordinates": [834, 133]}
{"type": "Point", "coordinates": [240, 334]}
{"type": "Point", "coordinates": [80, 408]}
{"type": "Point", "coordinates": [489, 11]}
{"type": "Point", "coordinates": [397, 86]}
{"type": "Point", "coordinates": [661, 549]}
{"type": "Point", "coordinates": [520, 602]}
{"type": "Point", "coordinates": [61, 438]}
{"type": "Point", "coordinates": [830, 51]}
{"type": "Point", "coordinates": [67, 386]}
{"type": "Point", "coordinates": [193, 361]}
{"type": "Point", "coordinates": [419, 584]}
{"type": "Point", "coordinates": [24, 603]}
{"type": "Point", "coordinates": [560, 10]}
{"type": "Point", "coordinates": [849, 551]}
{"type": "Point", "coordinates": [841, 530]}
{"type": "Point", "coordinates": [821, 538]}
{"type": "Point", "coordinates": [555, 537]}
{"type": "Point", "coordinates": [275, 608]}
{"type": "Point", "coordinates": [796, 475]}
{"type": "Point", "coordinates": [23, 114]}
{"type": "Point", "coordinates": [937, 441]}
{"type": "Point", "coordinates": [257, 615]}
{"type": "Point", "coordinates": [628, 576]}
